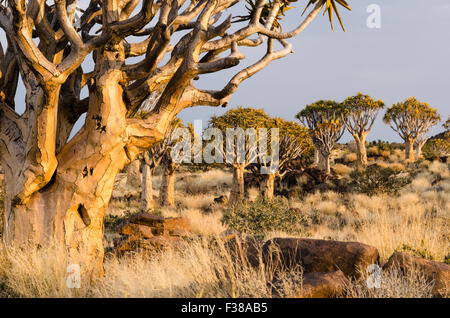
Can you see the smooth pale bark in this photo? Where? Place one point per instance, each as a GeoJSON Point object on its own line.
{"type": "Point", "coordinates": [268, 186]}
{"type": "Point", "coordinates": [134, 175]}
{"type": "Point", "coordinates": [409, 150]}
{"type": "Point", "coordinates": [419, 146]}
{"type": "Point", "coordinates": [324, 162]}
{"type": "Point", "coordinates": [237, 186]}
{"type": "Point", "coordinates": [418, 152]}
{"type": "Point", "coordinates": [361, 151]}
{"type": "Point", "coordinates": [167, 190]}
{"type": "Point", "coordinates": [147, 202]}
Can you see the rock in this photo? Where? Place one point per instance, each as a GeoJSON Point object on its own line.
{"type": "Point", "coordinates": [319, 255]}
{"type": "Point", "coordinates": [243, 248]}
{"type": "Point", "coordinates": [177, 226]}
{"type": "Point", "coordinates": [149, 232]}
{"type": "Point", "coordinates": [322, 285]}
{"type": "Point", "coordinates": [136, 230]}
{"type": "Point", "coordinates": [432, 270]}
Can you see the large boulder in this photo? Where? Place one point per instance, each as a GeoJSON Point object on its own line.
{"type": "Point", "coordinates": [432, 270]}
{"type": "Point", "coordinates": [320, 255]}
{"type": "Point", "coordinates": [243, 249]}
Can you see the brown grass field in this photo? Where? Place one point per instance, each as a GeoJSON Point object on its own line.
{"type": "Point", "coordinates": [416, 220]}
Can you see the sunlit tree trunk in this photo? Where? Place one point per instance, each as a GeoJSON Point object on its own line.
{"type": "Point", "coordinates": [71, 207]}
{"type": "Point", "coordinates": [167, 190]}
{"type": "Point", "coordinates": [237, 186]}
{"type": "Point", "coordinates": [324, 162]}
{"type": "Point", "coordinates": [316, 157]}
{"type": "Point", "coordinates": [409, 150]}
{"type": "Point", "coordinates": [361, 151]}
{"type": "Point", "coordinates": [147, 201]}
{"type": "Point", "coordinates": [268, 186]}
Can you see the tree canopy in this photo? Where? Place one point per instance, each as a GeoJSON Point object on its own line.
{"type": "Point", "coordinates": [411, 118]}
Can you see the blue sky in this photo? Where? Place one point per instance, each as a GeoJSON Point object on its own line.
{"type": "Point", "coordinates": [408, 56]}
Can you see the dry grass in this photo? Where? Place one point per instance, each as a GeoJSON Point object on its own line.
{"type": "Point", "coordinates": [342, 170]}
{"type": "Point", "coordinates": [203, 268]}
{"type": "Point", "coordinates": [392, 284]}
{"type": "Point", "coordinates": [418, 217]}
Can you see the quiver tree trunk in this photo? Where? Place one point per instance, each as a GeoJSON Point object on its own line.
{"type": "Point", "coordinates": [409, 150]}
{"type": "Point", "coordinates": [324, 162]}
{"type": "Point", "coordinates": [361, 151]}
{"type": "Point", "coordinates": [57, 191]}
{"type": "Point", "coordinates": [316, 157]}
{"type": "Point", "coordinates": [268, 186]}
{"type": "Point", "coordinates": [419, 152]}
{"type": "Point", "coordinates": [147, 202]}
{"type": "Point", "coordinates": [238, 185]}
{"type": "Point", "coordinates": [167, 189]}
{"type": "Point", "coordinates": [419, 145]}
{"type": "Point", "coordinates": [134, 175]}
{"type": "Point", "coordinates": [69, 210]}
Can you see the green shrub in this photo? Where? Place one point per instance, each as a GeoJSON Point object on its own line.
{"type": "Point", "coordinates": [262, 216]}
{"type": "Point", "coordinates": [436, 148]}
{"type": "Point", "coordinates": [377, 180]}
{"type": "Point", "coordinates": [423, 253]}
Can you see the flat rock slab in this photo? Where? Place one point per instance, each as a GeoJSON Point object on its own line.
{"type": "Point", "coordinates": [432, 270]}
{"type": "Point", "coordinates": [169, 224]}
{"type": "Point", "coordinates": [149, 232]}
{"type": "Point", "coordinates": [320, 255]}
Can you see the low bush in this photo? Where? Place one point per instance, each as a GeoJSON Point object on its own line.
{"type": "Point", "coordinates": [378, 180]}
{"type": "Point", "coordinates": [264, 216]}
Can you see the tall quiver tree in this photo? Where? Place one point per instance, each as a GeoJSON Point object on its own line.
{"type": "Point", "coordinates": [411, 119]}
{"type": "Point", "coordinates": [323, 118]}
{"type": "Point", "coordinates": [236, 125]}
{"type": "Point", "coordinates": [359, 114]}
{"type": "Point", "coordinates": [57, 190]}
{"type": "Point", "coordinates": [293, 141]}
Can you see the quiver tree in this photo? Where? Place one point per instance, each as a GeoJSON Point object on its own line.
{"type": "Point", "coordinates": [170, 158]}
{"type": "Point", "coordinates": [323, 118]}
{"type": "Point", "coordinates": [359, 114]}
{"type": "Point", "coordinates": [293, 142]}
{"type": "Point", "coordinates": [411, 119]}
{"type": "Point", "coordinates": [239, 126]}
{"type": "Point", "coordinates": [57, 190]}
{"type": "Point", "coordinates": [149, 160]}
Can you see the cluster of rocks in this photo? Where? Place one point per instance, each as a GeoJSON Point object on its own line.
{"type": "Point", "coordinates": [147, 232]}
{"type": "Point", "coordinates": [327, 266]}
